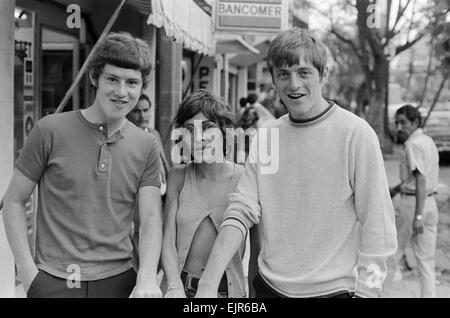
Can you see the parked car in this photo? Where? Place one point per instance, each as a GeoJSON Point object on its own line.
{"type": "Point", "coordinates": [438, 126]}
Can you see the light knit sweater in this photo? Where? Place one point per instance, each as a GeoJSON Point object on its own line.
{"type": "Point", "coordinates": [326, 216]}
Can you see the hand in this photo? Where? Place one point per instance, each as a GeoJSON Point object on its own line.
{"type": "Point", "coordinates": [28, 278]}
{"type": "Point", "coordinates": [394, 191]}
{"type": "Point", "coordinates": [146, 290]}
{"type": "Point", "coordinates": [205, 293]}
{"type": "Point", "coordinates": [417, 227]}
{"type": "Point", "coordinates": [175, 292]}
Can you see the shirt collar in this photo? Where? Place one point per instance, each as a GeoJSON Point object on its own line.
{"type": "Point", "coordinates": [417, 132]}
{"type": "Point", "coordinates": [311, 121]}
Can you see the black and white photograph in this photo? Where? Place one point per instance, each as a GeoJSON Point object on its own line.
{"type": "Point", "coordinates": [224, 152]}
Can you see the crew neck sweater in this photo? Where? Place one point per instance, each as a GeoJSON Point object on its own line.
{"type": "Point", "coordinates": [326, 216]}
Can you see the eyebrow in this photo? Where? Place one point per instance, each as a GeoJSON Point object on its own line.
{"type": "Point", "coordinates": [128, 78]}
{"type": "Point", "coordinates": [301, 69]}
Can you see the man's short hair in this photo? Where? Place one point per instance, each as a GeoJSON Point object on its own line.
{"type": "Point", "coordinates": [289, 46]}
{"type": "Point", "coordinates": [122, 50]}
{"type": "Point", "coordinates": [146, 98]}
{"type": "Point", "coordinates": [252, 98]}
{"type": "Point", "coordinates": [243, 101]}
{"type": "Point", "coordinates": [411, 113]}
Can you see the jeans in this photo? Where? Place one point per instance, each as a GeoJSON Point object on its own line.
{"type": "Point", "coordinates": [49, 286]}
{"type": "Point", "coordinates": [424, 244]}
{"type": "Point", "coordinates": [263, 290]}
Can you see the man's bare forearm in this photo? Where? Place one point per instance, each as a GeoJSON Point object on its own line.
{"type": "Point", "coordinates": [14, 216]}
{"type": "Point", "coordinates": [150, 247]}
{"type": "Point", "coordinates": [226, 245]}
{"type": "Point", "coordinates": [170, 263]}
{"type": "Point", "coordinates": [421, 194]}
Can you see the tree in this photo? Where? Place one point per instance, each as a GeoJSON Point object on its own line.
{"type": "Point", "coordinates": [442, 35]}
{"type": "Point", "coordinates": [384, 29]}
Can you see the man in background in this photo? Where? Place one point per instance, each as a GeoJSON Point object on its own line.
{"type": "Point", "coordinates": [416, 209]}
{"type": "Point", "coordinates": [140, 116]}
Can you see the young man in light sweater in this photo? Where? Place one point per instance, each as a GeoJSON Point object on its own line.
{"type": "Point", "coordinates": [326, 217]}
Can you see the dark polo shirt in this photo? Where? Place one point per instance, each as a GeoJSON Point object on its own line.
{"type": "Point", "coordinates": [88, 186]}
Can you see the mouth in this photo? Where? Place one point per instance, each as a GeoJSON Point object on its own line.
{"type": "Point", "coordinates": [119, 102]}
{"type": "Point", "coordinates": [295, 96]}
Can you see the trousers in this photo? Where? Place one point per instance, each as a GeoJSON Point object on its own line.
{"type": "Point", "coordinates": [49, 286]}
{"type": "Point", "coordinates": [424, 244]}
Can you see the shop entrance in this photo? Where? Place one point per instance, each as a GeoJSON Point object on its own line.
{"type": "Point", "coordinates": [60, 64]}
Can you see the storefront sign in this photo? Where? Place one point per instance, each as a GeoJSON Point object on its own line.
{"type": "Point", "coordinates": [24, 45]}
{"type": "Point", "coordinates": [205, 75]}
{"type": "Point", "coordinates": [251, 16]}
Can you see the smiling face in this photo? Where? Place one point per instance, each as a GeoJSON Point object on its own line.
{"type": "Point", "coordinates": [203, 133]}
{"type": "Point", "coordinates": [300, 88]}
{"type": "Point", "coordinates": [118, 90]}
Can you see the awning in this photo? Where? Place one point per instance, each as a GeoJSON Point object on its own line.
{"type": "Point", "coordinates": [246, 60]}
{"type": "Point", "coordinates": [186, 22]}
{"type": "Point", "coordinates": [234, 44]}
{"type": "Point", "coordinates": [144, 6]}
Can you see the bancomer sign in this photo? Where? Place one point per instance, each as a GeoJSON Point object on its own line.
{"type": "Point", "coordinates": [248, 16]}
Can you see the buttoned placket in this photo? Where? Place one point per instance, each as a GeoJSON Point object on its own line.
{"type": "Point", "coordinates": [102, 164]}
{"type": "Point", "coordinates": [104, 160]}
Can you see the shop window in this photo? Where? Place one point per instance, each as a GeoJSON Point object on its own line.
{"type": "Point", "coordinates": [60, 63]}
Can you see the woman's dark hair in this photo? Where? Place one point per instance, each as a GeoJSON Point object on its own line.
{"type": "Point", "coordinates": [243, 102]}
{"type": "Point", "coordinates": [249, 118]}
{"type": "Point", "coordinates": [214, 108]}
{"type": "Point", "coordinates": [252, 98]}
{"type": "Point", "coordinates": [411, 113]}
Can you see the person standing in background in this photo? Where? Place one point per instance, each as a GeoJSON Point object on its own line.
{"type": "Point", "coordinates": [140, 116]}
{"type": "Point", "coordinates": [416, 209]}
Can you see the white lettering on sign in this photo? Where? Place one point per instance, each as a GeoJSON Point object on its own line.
{"type": "Point", "coordinates": [252, 10]}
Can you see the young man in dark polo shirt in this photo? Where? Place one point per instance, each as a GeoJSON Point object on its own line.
{"type": "Point", "coordinates": [91, 166]}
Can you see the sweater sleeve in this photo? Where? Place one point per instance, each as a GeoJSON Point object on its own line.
{"type": "Point", "coordinates": [374, 211]}
{"type": "Point", "coordinates": [244, 208]}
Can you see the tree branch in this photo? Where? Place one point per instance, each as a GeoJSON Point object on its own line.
{"type": "Point", "coordinates": [346, 40]}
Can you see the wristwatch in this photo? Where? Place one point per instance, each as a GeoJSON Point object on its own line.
{"type": "Point", "coordinates": [419, 217]}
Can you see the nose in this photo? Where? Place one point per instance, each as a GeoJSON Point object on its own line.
{"type": "Point", "coordinates": [120, 90]}
{"type": "Point", "coordinates": [198, 135]}
{"type": "Point", "coordinates": [294, 82]}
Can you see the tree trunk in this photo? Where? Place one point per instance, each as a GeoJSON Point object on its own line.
{"type": "Point", "coordinates": [376, 116]}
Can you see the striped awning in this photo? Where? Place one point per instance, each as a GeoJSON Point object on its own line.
{"type": "Point", "coordinates": [143, 6]}
{"type": "Point", "coordinates": [185, 21]}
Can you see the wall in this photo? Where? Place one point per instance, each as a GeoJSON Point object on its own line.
{"type": "Point", "coordinates": [7, 286]}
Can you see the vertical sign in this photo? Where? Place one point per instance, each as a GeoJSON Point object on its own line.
{"type": "Point", "coordinates": [204, 77]}
{"type": "Point", "coordinates": [24, 41]}
{"type": "Point", "coordinates": [251, 16]}
{"type": "Point", "coordinates": [24, 44]}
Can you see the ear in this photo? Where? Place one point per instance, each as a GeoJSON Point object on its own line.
{"type": "Point", "coordinates": [91, 78]}
{"type": "Point", "coordinates": [325, 74]}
